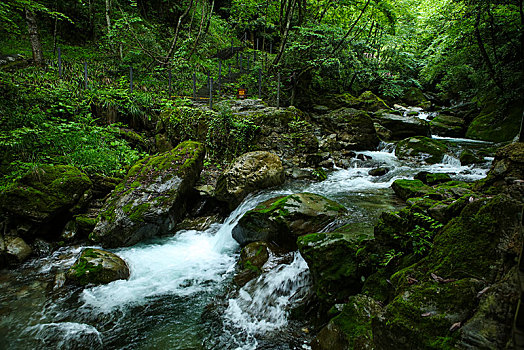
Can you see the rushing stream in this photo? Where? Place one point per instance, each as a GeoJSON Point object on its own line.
{"type": "Point", "coordinates": [177, 282]}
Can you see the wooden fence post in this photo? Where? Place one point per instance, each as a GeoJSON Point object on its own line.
{"type": "Point", "coordinates": [219, 75]}
{"type": "Point", "coordinates": [131, 78]}
{"type": "Point", "coordinates": [194, 86]}
{"type": "Point", "coordinates": [59, 64]}
{"type": "Point", "coordinates": [211, 93]}
{"type": "Point", "coordinates": [170, 81]}
{"type": "Point", "coordinates": [85, 74]}
{"type": "Point", "coordinates": [278, 91]}
{"type": "Point", "coordinates": [259, 83]}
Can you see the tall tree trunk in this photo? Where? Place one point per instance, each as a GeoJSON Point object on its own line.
{"type": "Point", "coordinates": [290, 9]}
{"type": "Point", "coordinates": [180, 19]}
{"type": "Point", "coordinates": [36, 46]}
{"type": "Point", "coordinates": [199, 32]}
{"type": "Point", "coordinates": [108, 21]}
{"type": "Point", "coordinates": [209, 17]}
{"type": "Point", "coordinates": [484, 53]}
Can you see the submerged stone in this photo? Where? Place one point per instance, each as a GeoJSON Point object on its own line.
{"type": "Point", "coordinates": [96, 266]}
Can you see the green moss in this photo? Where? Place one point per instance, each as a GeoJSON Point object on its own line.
{"type": "Point", "coordinates": [411, 188]}
{"type": "Point", "coordinates": [430, 150]}
{"type": "Point", "coordinates": [489, 125]}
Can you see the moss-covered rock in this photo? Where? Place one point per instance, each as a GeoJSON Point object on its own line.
{"type": "Point", "coordinates": [368, 101]}
{"type": "Point", "coordinates": [252, 258]}
{"type": "Point", "coordinates": [44, 195]}
{"type": "Point", "coordinates": [507, 165]}
{"type": "Point", "coordinates": [354, 128]}
{"type": "Point", "coordinates": [351, 329]}
{"type": "Point", "coordinates": [95, 266]}
{"type": "Point", "coordinates": [282, 219]}
{"type": "Point", "coordinates": [421, 148]}
{"type": "Point", "coordinates": [411, 188]}
{"type": "Point", "coordinates": [151, 199]}
{"type": "Point", "coordinates": [447, 125]}
{"type": "Point", "coordinates": [413, 96]}
{"type": "Point", "coordinates": [401, 127]}
{"type": "Point", "coordinates": [250, 172]}
{"type": "Point", "coordinates": [432, 178]}
{"type": "Point", "coordinates": [467, 157]}
{"type": "Point", "coordinates": [491, 125]}
{"type": "Point", "coordinates": [338, 270]}
{"type": "Point", "coordinates": [438, 294]}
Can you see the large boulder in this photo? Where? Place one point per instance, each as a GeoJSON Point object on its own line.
{"type": "Point", "coordinates": [43, 197]}
{"type": "Point", "coordinates": [354, 128]}
{"type": "Point", "coordinates": [447, 125]}
{"type": "Point", "coordinates": [496, 124]}
{"type": "Point", "coordinates": [250, 172]}
{"type": "Point", "coordinates": [471, 257]}
{"type": "Point", "coordinates": [413, 96]}
{"type": "Point", "coordinates": [402, 126]}
{"type": "Point", "coordinates": [152, 197]}
{"type": "Point", "coordinates": [336, 267]}
{"type": "Point", "coordinates": [421, 148]}
{"type": "Point", "coordinates": [282, 219]}
{"type": "Point", "coordinates": [96, 266]}
{"type": "Point", "coordinates": [368, 101]}
{"type": "Point", "coordinates": [507, 166]}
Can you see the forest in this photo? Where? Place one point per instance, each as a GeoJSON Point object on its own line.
{"type": "Point", "coordinates": [261, 174]}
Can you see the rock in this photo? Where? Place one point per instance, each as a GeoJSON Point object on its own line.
{"type": "Point", "coordinates": [508, 163]}
{"type": "Point", "coordinates": [162, 143]}
{"type": "Point", "coordinates": [447, 125]}
{"type": "Point", "coordinates": [250, 172]}
{"type": "Point", "coordinates": [383, 133]}
{"type": "Point", "coordinates": [282, 219]}
{"type": "Point", "coordinates": [488, 327]}
{"type": "Point", "coordinates": [334, 264]}
{"type": "Point", "coordinates": [378, 171]}
{"type": "Point", "coordinates": [201, 223]}
{"type": "Point", "coordinates": [17, 249]}
{"type": "Point", "coordinates": [442, 290]}
{"type": "Point", "coordinates": [411, 188]}
{"type": "Point", "coordinates": [432, 178]}
{"type": "Point", "coordinates": [413, 96]}
{"type": "Point", "coordinates": [495, 125]}
{"type": "Point", "coordinates": [467, 157]}
{"type": "Point", "coordinates": [85, 224]}
{"type": "Point", "coordinates": [43, 199]}
{"type": "Point", "coordinates": [363, 157]}
{"type": "Point", "coordinates": [368, 101]}
{"type": "Point", "coordinates": [352, 127]}
{"type": "Point", "coordinates": [95, 266]}
{"type": "Point", "coordinates": [351, 329]}
{"type": "Point", "coordinates": [152, 197]}
{"type": "Point", "coordinates": [252, 258]}
{"type": "Point", "coordinates": [402, 126]}
{"type": "Point", "coordinates": [421, 148]}
{"type": "Point", "coordinates": [103, 185]}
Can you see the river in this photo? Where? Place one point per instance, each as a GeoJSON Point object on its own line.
{"type": "Point", "coordinates": [179, 295]}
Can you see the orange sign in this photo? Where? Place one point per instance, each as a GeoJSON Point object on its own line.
{"type": "Point", "coordinates": [242, 93]}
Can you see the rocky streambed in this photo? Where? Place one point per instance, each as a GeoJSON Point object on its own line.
{"type": "Point", "coordinates": [319, 244]}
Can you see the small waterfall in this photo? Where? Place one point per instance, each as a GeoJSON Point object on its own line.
{"type": "Point", "coordinates": [262, 305]}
